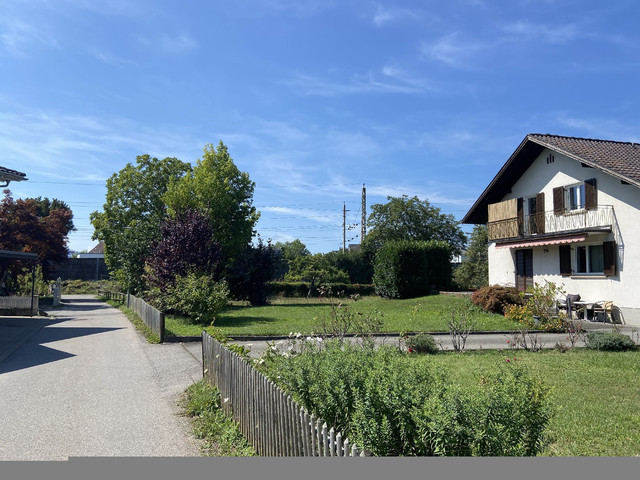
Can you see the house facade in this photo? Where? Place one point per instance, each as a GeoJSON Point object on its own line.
{"type": "Point", "coordinates": [567, 210]}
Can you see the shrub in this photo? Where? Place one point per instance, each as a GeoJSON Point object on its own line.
{"type": "Point", "coordinates": [380, 399]}
{"type": "Point", "coordinates": [422, 343]}
{"type": "Point", "coordinates": [25, 281]}
{"type": "Point", "coordinates": [197, 296]}
{"type": "Point", "coordinates": [408, 269]}
{"type": "Point", "coordinates": [610, 341]}
{"type": "Point", "coordinates": [494, 298]}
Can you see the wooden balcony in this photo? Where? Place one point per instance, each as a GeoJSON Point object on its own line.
{"type": "Point", "coordinates": [599, 219]}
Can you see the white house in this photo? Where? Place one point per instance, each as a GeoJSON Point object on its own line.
{"type": "Point", "coordinates": [567, 210]}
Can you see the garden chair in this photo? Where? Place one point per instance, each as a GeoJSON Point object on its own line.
{"type": "Point", "coordinates": [569, 306]}
{"type": "Point", "coordinates": [603, 308]}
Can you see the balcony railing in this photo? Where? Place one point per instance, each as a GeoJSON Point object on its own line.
{"type": "Point", "coordinates": [549, 222]}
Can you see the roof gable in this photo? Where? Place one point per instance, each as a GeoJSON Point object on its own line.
{"type": "Point", "coordinates": [618, 159]}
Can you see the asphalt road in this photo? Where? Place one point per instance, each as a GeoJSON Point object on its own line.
{"type": "Point", "coordinates": [87, 384]}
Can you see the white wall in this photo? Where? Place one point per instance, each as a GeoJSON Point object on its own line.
{"type": "Point", "coordinates": [623, 288]}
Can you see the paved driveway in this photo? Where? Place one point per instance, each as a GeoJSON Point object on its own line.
{"type": "Point", "coordinates": [87, 384]}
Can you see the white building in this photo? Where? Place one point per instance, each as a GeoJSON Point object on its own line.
{"type": "Point", "coordinates": [567, 210]}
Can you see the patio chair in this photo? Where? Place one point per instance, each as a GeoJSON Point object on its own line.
{"type": "Point", "coordinates": [569, 306]}
{"type": "Point", "coordinates": [603, 308]}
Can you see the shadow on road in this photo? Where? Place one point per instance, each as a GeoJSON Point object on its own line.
{"type": "Point", "coordinates": [35, 353]}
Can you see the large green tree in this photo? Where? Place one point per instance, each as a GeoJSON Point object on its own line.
{"type": "Point", "coordinates": [132, 214]}
{"type": "Point", "coordinates": [218, 188]}
{"type": "Point", "coordinates": [473, 272]}
{"type": "Point", "coordinates": [405, 218]}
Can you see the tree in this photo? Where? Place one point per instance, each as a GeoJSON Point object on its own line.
{"type": "Point", "coordinates": [132, 214]}
{"type": "Point", "coordinates": [473, 272]}
{"type": "Point", "coordinates": [316, 270]}
{"type": "Point", "coordinates": [254, 268]}
{"type": "Point", "coordinates": [46, 206]}
{"type": "Point", "coordinates": [186, 244]}
{"type": "Point", "coordinates": [216, 186]}
{"type": "Point", "coordinates": [404, 218]}
{"type": "Point", "coordinates": [23, 227]}
{"type": "Point", "coordinates": [289, 252]}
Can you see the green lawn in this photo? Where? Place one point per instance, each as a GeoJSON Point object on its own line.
{"type": "Point", "coordinates": [596, 393]}
{"type": "Point", "coordinates": [282, 316]}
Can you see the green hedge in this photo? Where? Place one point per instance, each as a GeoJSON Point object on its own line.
{"type": "Point", "coordinates": [409, 269]}
{"type": "Point", "coordinates": [300, 289]}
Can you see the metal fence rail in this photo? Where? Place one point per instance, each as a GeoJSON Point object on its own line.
{"type": "Point", "coordinates": [271, 420]}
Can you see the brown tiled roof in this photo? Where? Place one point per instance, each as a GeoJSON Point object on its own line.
{"type": "Point", "coordinates": [620, 159]}
{"type": "Point", "coordinates": [98, 248]}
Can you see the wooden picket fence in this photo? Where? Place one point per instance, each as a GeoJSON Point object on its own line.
{"type": "Point", "coordinates": [152, 317]}
{"type": "Point", "coordinates": [121, 297]}
{"type": "Point", "coordinates": [273, 423]}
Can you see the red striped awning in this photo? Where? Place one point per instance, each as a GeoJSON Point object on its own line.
{"type": "Point", "coordinates": [538, 242]}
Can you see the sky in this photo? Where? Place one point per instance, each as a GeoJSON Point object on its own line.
{"type": "Point", "coordinates": [312, 98]}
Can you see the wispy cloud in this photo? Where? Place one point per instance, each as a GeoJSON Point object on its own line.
{"type": "Point", "coordinates": [178, 44]}
{"type": "Point", "coordinates": [56, 144]}
{"type": "Point", "coordinates": [110, 59]}
{"type": "Point", "coordinates": [526, 31]}
{"type": "Point", "coordinates": [604, 128]}
{"type": "Point", "coordinates": [389, 80]}
{"type": "Point", "coordinates": [464, 51]}
{"type": "Point", "coordinates": [451, 50]}
{"type": "Point", "coordinates": [321, 216]}
{"type": "Point", "coordinates": [170, 44]}
{"type": "Point", "coordinates": [384, 15]}
{"type": "Point", "coordinates": [17, 37]}
{"type": "Point", "coordinates": [297, 7]}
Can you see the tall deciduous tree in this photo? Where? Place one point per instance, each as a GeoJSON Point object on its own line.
{"type": "Point", "coordinates": [404, 218]}
{"type": "Point", "coordinates": [24, 227]}
{"type": "Point", "coordinates": [216, 186]}
{"type": "Point", "coordinates": [132, 214]}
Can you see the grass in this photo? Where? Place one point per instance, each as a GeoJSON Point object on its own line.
{"type": "Point", "coordinates": [596, 393]}
{"type": "Point", "coordinates": [136, 320]}
{"type": "Point", "coordinates": [201, 402]}
{"type": "Point", "coordinates": [285, 315]}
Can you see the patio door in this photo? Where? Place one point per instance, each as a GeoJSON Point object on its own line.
{"type": "Point", "coordinates": [524, 269]}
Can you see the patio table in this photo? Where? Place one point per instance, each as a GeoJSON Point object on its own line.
{"type": "Point", "coordinates": [585, 304]}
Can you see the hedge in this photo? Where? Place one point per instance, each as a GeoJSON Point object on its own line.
{"type": "Point", "coordinates": [409, 269]}
{"type": "Point", "coordinates": [301, 289]}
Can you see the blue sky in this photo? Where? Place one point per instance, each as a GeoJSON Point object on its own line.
{"type": "Point", "coordinates": [312, 98]}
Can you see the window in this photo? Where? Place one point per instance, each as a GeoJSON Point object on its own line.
{"type": "Point", "coordinates": [594, 259]}
{"type": "Point", "coordinates": [574, 197]}
{"type": "Point", "coordinates": [581, 196]}
{"type": "Point", "coordinates": [589, 259]}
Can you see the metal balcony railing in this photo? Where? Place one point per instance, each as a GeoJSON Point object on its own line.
{"type": "Point", "coordinates": [549, 222]}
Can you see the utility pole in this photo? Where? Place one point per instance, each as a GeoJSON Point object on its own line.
{"type": "Point", "coordinates": [344, 226]}
{"type": "Point", "coordinates": [363, 223]}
